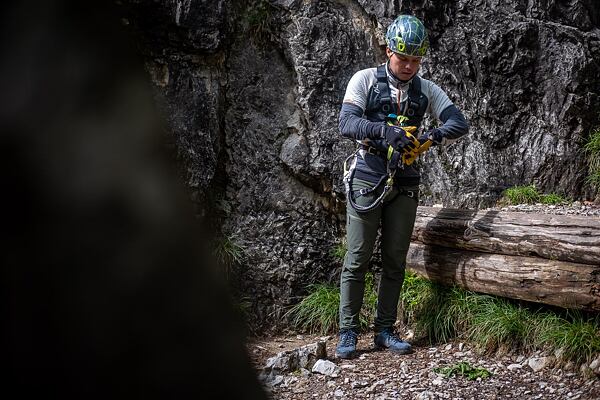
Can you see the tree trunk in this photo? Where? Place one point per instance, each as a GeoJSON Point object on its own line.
{"type": "Point", "coordinates": [554, 237]}
{"type": "Point", "coordinates": [551, 259]}
{"type": "Point", "coordinates": [533, 279]}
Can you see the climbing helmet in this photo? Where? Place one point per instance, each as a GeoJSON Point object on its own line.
{"type": "Point", "coordinates": [407, 35]}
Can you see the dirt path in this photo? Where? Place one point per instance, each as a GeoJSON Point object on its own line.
{"type": "Point", "coordinates": [381, 375]}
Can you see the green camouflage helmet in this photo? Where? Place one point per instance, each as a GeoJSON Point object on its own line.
{"type": "Point", "coordinates": [407, 35]}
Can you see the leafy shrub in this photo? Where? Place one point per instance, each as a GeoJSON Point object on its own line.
{"type": "Point", "coordinates": [465, 369]}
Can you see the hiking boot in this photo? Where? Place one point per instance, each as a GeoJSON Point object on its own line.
{"type": "Point", "coordinates": [387, 339]}
{"type": "Point", "coordinates": [346, 347]}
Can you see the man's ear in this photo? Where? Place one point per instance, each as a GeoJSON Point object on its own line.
{"type": "Point", "coordinates": [388, 52]}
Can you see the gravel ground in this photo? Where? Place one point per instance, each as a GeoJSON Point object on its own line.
{"type": "Point", "coordinates": [383, 375]}
{"type": "Point", "coordinates": [575, 208]}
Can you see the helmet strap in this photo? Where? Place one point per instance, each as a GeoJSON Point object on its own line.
{"type": "Point", "coordinates": [394, 77]}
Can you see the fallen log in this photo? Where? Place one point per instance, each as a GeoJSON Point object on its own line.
{"type": "Point", "coordinates": [535, 279]}
{"type": "Point", "coordinates": [555, 237]}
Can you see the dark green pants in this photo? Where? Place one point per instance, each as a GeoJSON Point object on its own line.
{"type": "Point", "coordinates": [397, 217]}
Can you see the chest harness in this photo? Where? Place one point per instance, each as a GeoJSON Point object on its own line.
{"type": "Point", "coordinates": [381, 107]}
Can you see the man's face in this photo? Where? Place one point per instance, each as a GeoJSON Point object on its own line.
{"type": "Point", "coordinates": [404, 67]}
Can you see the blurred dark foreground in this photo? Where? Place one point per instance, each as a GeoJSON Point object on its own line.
{"type": "Point", "coordinates": [109, 290]}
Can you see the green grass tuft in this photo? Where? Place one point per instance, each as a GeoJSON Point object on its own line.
{"type": "Point", "coordinates": [437, 311]}
{"type": "Point", "coordinates": [592, 149]}
{"type": "Point", "coordinates": [527, 194]}
{"type": "Point", "coordinates": [319, 311]}
{"type": "Point", "coordinates": [577, 337]}
{"type": "Point", "coordinates": [228, 252]}
{"type": "Point", "coordinates": [594, 179]}
{"type": "Point", "coordinates": [435, 319]}
{"type": "Point", "coordinates": [492, 323]}
{"type": "Point", "coordinates": [258, 20]}
{"type": "Point", "coordinates": [499, 322]}
{"type": "Point", "coordinates": [339, 251]}
{"type": "Point", "coordinates": [552, 198]}
{"type": "Point", "coordinates": [593, 143]}
{"type": "Point", "coordinates": [369, 307]}
{"type": "Point", "coordinates": [415, 293]}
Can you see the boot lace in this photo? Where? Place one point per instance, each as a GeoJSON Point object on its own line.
{"type": "Point", "coordinates": [348, 338]}
{"type": "Point", "coordinates": [392, 336]}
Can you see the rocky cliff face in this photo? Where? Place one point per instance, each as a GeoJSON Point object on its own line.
{"type": "Point", "coordinates": [252, 89]}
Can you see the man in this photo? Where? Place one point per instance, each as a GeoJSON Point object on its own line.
{"type": "Point", "coordinates": [374, 99]}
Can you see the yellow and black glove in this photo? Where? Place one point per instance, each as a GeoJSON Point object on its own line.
{"type": "Point", "coordinates": [400, 138]}
{"type": "Point", "coordinates": [433, 137]}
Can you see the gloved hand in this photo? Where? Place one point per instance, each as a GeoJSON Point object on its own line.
{"type": "Point", "coordinates": [435, 135]}
{"type": "Point", "coordinates": [425, 142]}
{"type": "Point", "coordinates": [424, 138]}
{"type": "Point", "coordinates": [400, 138]}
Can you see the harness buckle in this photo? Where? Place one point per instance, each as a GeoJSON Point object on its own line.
{"type": "Point", "coordinates": [372, 150]}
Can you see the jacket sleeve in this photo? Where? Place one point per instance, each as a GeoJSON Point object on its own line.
{"type": "Point", "coordinates": [352, 124]}
{"type": "Point", "coordinates": [454, 124]}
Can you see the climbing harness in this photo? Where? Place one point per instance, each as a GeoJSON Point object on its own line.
{"type": "Point", "coordinates": [380, 104]}
{"type": "Point", "coordinates": [395, 160]}
{"type": "Point", "coordinates": [388, 179]}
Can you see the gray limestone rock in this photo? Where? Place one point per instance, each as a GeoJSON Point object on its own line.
{"type": "Point", "coordinates": [539, 363]}
{"type": "Point", "coordinates": [302, 358]}
{"type": "Point", "coordinates": [325, 367]}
